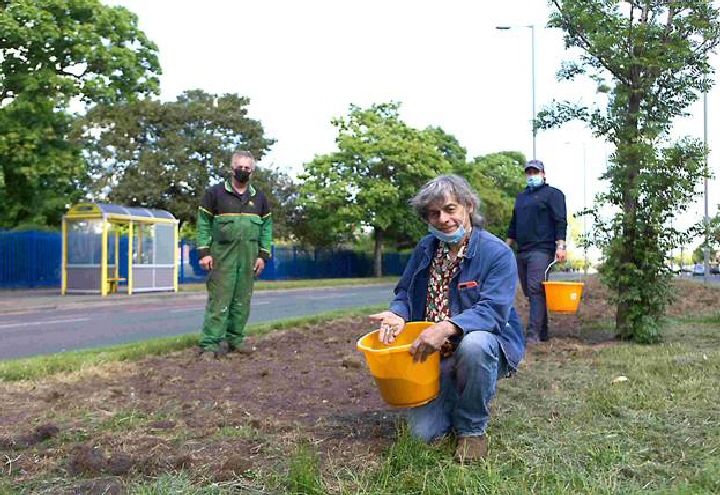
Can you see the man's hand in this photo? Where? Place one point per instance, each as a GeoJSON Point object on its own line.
{"type": "Point", "coordinates": [432, 339]}
{"type": "Point", "coordinates": [259, 266]}
{"type": "Point", "coordinates": [391, 325]}
{"type": "Point", "coordinates": [207, 263]}
{"type": "Point", "coordinates": [560, 254]}
{"type": "Point", "coordinates": [509, 242]}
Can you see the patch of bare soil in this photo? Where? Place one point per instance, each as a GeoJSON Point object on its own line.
{"type": "Point", "coordinates": [221, 418]}
{"type": "Point", "coordinates": [233, 417]}
{"type": "Point", "coordinates": [593, 321]}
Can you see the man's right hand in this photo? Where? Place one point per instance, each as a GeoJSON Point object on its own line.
{"type": "Point", "coordinates": [391, 325]}
{"type": "Point", "coordinates": [207, 263]}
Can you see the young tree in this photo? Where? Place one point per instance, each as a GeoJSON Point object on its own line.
{"type": "Point", "coordinates": [651, 57]}
{"type": "Point", "coordinates": [380, 165]}
{"type": "Point", "coordinates": [51, 54]}
{"type": "Point", "coordinates": [164, 154]}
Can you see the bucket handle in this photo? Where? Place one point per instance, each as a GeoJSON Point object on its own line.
{"type": "Point", "coordinates": [547, 270]}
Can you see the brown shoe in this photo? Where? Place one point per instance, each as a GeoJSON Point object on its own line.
{"type": "Point", "coordinates": [224, 349]}
{"type": "Point", "coordinates": [471, 449]}
{"type": "Point", "coordinates": [208, 355]}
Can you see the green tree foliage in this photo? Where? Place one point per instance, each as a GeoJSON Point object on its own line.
{"type": "Point", "coordinates": [165, 154]}
{"type": "Point", "coordinates": [54, 53]}
{"type": "Point", "coordinates": [497, 178]}
{"type": "Point", "coordinates": [283, 193]}
{"type": "Point", "coordinates": [698, 254]}
{"type": "Point", "coordinates": [380, 164]}
{"type": "Point", "coordinates": [651, 58]}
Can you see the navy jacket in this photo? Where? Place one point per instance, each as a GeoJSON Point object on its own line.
{"type": "Point", "coordinates": [539, 219]}
{"type": "Point", "coordinates": [484, 307]}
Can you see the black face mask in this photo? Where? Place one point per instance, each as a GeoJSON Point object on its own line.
{"type": "Point", "coordinates": [241, 175]}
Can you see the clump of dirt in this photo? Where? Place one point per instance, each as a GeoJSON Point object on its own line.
{"type": "Point", "coordinates": [233, 467]}
{"type": "Point", "coordinates": [25, 440]}
{"type": "Point", "coordinates": [86, 460]}
{"type": "Point", "coordinates": [119, 464]}
{"type": "Point", "coordinates": [98, 487]}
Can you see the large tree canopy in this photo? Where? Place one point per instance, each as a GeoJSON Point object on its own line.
{"type": "Point", "coordinates": [652, 58]}
{"type": "Point", "coordinates": [164, 154]}
{"type": "Point", "coordinates": [52, 54]}
{"type": "Point", "coordinates": [380, 164]}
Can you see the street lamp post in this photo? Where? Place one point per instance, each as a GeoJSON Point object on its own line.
{"type": "Point", "coordinates": [585, 253]}
{"type": "Point", "coordinates": [534, 77]}
{"type": "Point", "coordinates": [706, 253]}
{"type": "Point", "coordinates": [584, 206]}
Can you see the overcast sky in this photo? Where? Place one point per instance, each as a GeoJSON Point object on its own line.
{"type": "Point", "coordinates": [303, 63]}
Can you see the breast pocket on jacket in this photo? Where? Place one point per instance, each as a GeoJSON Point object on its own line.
{"type": "Point", "coordinates": [469, 293]}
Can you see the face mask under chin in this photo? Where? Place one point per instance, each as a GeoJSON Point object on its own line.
{"type": "Point", "coordinates": [452, 238]}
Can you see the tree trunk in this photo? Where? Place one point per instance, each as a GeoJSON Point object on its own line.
{"type": "Point", "coordinates": [623, 325]}
{"type": "Point", "coordinates": [378, 251]}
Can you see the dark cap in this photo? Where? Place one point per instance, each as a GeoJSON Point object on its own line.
{"type": "Point", "coordinates": [540, 166]}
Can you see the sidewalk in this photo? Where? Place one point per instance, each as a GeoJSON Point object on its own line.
{"type": "Point", "coordinates": [21, 301]}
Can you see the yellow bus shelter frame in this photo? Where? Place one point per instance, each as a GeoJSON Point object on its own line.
{"type": "Point", "coordinates": [86, 213]}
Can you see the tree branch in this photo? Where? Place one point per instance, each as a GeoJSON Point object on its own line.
{"type": "Point", "coordinates": [587, 46]}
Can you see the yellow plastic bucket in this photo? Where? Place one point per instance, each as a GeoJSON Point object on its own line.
{"type": "Point", "coordinates": [563, 297]}
{"type": "Point", "coordinates": [402, 382]}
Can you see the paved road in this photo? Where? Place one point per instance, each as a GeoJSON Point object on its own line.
{"type": "Point", "coordinates": [43, 332]}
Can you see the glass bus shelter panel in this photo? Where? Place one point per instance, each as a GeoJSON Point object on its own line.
{"type": "Point", "coordinates": [84, 255]}
{"type": "Point", "coordinates": [165, 244]}
{"type": "Point", "coordinates": [84, 242]}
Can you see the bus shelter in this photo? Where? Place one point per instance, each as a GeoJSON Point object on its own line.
{"type": "Point", "coordinates": [108, 248]}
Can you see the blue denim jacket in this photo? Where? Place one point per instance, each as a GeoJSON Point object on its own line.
{"type": "Point", "coordinates": [481, 294]}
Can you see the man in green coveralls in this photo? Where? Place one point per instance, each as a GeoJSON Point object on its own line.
{"type": "Point", "coordinates": [234, 235]}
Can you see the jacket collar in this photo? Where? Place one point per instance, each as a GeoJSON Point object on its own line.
{"type": "Point", "coordinates": [229, 188]}
{"type": "Point", "coordinates": [530, 190]}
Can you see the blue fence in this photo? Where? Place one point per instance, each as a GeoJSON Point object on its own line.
{"type": "Point", "coordinates": [30, 259]}
{"type": "Point", "coordinates": [294, 262]}
{"type": "Point", "coordinates": [33, 259]}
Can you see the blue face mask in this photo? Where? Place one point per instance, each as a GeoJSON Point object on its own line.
{"type": "Point", "coordinates": [453, 238]}
{"type": "Point", "coordinates": [535, 180]}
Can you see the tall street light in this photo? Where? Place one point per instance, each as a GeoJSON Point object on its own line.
{"type": "Point", "coordinates": [584, 217]}
{"type": "Point", "coordinates": [706, 252]}
{"type": "Point", "coordinates": [534, 98]}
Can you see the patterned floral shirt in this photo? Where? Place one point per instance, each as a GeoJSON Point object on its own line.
{"type": "Point", "coordinates": [437, 306]}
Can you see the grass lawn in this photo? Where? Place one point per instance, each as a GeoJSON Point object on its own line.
{"type": "Point", "coordinates": [566, 424]}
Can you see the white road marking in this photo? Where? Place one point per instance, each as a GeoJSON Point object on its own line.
{"type": "Point", "coordinates": [199, 308]}
{"type": "Point", "coordinates": [48, 322]}
{"type": "Point", "coordinates": [333, 296]}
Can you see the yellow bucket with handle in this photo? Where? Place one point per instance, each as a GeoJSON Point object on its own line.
{"type": "Point", "coordinates": [562, 297]}
{"type": "Point", "coordinates": [402, 382]}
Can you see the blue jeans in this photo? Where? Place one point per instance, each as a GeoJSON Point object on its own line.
{"type": "Point", "coordinates": [468, 382]}
{"type": "Point", "coordinates": [531, 271]}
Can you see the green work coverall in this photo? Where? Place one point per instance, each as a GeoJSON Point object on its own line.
{"type": "Point", "coordinates": [235, 230]}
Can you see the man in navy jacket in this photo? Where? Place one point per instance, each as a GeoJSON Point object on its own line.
{"type": "Point", "coordinates": [463, 279]}
{"type": "Point", "coordinates": [538, 227]}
